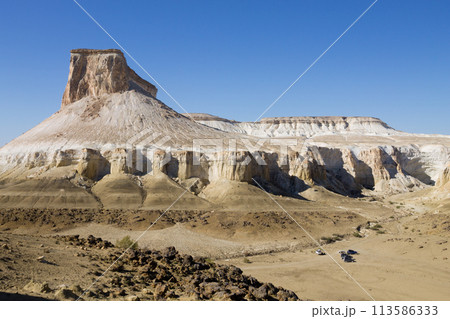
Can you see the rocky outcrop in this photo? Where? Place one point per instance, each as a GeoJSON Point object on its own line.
{"type": "Point", "coordinates": [374, 168]}
{"type": "Point", "coordinates": [307, 168]}
{"type": "Point", "coordinates": [444, 177]}
{"type": "Point", "coordinates": [359, 170]}
{"type": "Point", "coordinates": [142, 274]}
{"type": "Point", "coordinates": [381, 166]}
{"type": "Point", "coordinates": [237, 166]}
{"type": "Point", "coordinates": [93, 165]}
{"type": "Point", "coordinates": [169, 275]}
{"type": "Point", "coordinates": [97, 72]}
{"type": "Point", "coordinates": [232, 165]}
{"type": "Point", "coordinates": [63, 158]}
{"type": "Point", "coordinates": [118, 161]}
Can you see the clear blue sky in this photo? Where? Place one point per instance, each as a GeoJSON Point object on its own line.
{"type": "Point", "coordinates": [233, 58]}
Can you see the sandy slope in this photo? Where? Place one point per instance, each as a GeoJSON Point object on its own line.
{"type": "Point", "coordinates": [119, 191]}
{"type": "Point", "coordinates": [48, 193]}
{"type": "Point", "coordinates": [161, 192]}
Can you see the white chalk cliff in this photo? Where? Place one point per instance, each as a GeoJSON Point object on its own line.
{"type": "Point", "coordinates": [307, 126]}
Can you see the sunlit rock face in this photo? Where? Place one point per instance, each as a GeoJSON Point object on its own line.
{"type": "Point", "coordinates": [97, 72]}
{"type": "Point", "coordinates": [444, 178]}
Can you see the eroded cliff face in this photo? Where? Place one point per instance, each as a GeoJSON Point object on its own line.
{"type": "Point", "coordinates": [349, 154]}
{"type": "Point", "coordinates": [307, 167]}
{"type": "Point", "coordinates": [341, 170]}
{"type": "Point", "coordinates": [231, 165]}
{"type": "Point", "coordinates": [97, 72]}
{"type": "Point", "coordinates": [373, 168]}
{"type": "Point", "coordinates": [92, 165]}
{"type": "Point", "coordinates": [444, 178]}
{"type": "Point", "coordinates": [107, 108]}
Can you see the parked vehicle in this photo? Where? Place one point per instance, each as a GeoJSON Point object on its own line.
{"type": "Point", "coordinates": [348, 259]}
{"type": "Point", "coordinates": [347, 256]}
{"type": "Point", "coordinates": [320, 252]}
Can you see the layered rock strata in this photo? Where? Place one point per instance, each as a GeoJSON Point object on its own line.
{"type": "Point", "coordinates": [111, 131]}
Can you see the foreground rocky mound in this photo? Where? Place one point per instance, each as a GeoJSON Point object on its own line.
{"type": "Point", "coordinates": [170, 275]}
{"type": "Point", "coordinates": [149, 275]}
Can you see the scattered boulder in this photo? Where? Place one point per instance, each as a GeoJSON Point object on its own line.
{"type": "Point", "coordinates": [65, 294]}
{"type": "Point", "coordinates": [37, 287]}
{"type": "Point", "coordinates": [132, 298]}
{"type": "Point", "coordinates": [90, 242]}
{"type": "Point", "coordinates": [77, 289]}
{"type": "Point", "coordinates": [261, 293]}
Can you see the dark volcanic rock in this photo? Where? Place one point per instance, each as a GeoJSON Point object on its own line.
{"type": "Point", "coordinates": [168, 275]}
{"type": "Point", "coordinates": [165, 275]}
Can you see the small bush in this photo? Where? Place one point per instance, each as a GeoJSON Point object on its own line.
{"type": "Point", "coordinates": [329, 240]}
{"type": "Point", "coordinates": [246, 261]}
{"type": "Point", "coordinates": [126, 242]}
{"type": "Point", "coordinates": [209, 261]}
{"type": "Point", "coordinates": [379, 232]}
{"type": "Point", "coordinates": [376, 227]}
{"type": "Point", "coordinates": [356, 234]}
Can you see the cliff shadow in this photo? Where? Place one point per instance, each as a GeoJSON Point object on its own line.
{"type": "Point", "coordinates": [283, 184]}
{"type": "Point", "coordinates": [6, 296]}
